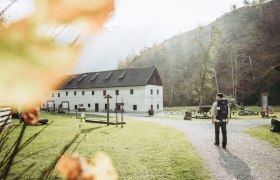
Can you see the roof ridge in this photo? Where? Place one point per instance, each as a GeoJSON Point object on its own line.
{"type": "Point", "coordinates": [138, 76]}
{"type": "Point", "coordinates": [111, 70]}
{"type": "Point", "coordinates": [151, 74]}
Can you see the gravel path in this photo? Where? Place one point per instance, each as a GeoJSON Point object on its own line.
{"type": "Point", "coordinates": [245, 157]}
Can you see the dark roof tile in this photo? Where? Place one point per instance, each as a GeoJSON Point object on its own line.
{"type": "Point", "coordinates": [114, 78]}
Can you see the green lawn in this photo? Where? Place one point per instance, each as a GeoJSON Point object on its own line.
{"type": "Point", "coordinates": [141, 150]}
{"type": "Point", "coordinates": [263, 133]}
{"type": "Point", "coordinates": [183, 109]}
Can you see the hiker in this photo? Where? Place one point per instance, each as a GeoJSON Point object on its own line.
{"type": "Point", "coordinates": [220, 112]}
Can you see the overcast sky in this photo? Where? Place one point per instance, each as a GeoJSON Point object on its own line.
{"type": "Point", "coordinates": [137, 24]}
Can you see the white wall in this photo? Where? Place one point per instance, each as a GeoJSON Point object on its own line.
{"type": "Point", "coordinates": [155, 99]}
{"type": "Point", "coordinates": [141, 97]}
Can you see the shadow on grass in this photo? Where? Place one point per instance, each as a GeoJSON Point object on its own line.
{"type": "Point", "coordinates": [86, 131]}
{"type": "Point", "coordinates": [110, 129]}
{"type": "Point", "coordinates": [234, 165]}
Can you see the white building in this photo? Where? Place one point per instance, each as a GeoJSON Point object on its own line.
{"type": "Point", "coordinates": [140, 89]}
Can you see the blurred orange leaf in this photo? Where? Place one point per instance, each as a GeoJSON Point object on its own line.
{"type": "Point", "coordinates": [77, 167]}
{"type": "Point", "coordinates": [32, 64]}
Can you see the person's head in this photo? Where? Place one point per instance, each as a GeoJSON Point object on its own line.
{"type": "Point", "coordinates": [219, 96]}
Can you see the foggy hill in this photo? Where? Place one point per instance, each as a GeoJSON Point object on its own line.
{"type": "Point", "coordinates": [234, 55]}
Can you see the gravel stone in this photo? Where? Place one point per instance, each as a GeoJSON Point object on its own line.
{"type": "Point", "coordinates": [245, 157]}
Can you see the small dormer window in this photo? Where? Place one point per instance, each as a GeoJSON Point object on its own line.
{"type": "Point", "coordinates": [109, 74]}
{"type": "Point", "coordinates": [71, 79]}
{"type": "Point", "coordinates": [82, 77]}
{"type": "Point", "coordinates": [94, 77]}
{"type": "Point", "coordinates": [122, 75]}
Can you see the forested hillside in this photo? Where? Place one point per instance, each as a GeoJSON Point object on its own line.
{"type": "Point", "coordinates": [234, 55]}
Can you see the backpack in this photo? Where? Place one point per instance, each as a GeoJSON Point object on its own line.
{"type": "Point", "coordinates": [222, 109]}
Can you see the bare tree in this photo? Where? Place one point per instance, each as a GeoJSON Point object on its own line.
{"type": "Point", "coordinates": [204, 61]}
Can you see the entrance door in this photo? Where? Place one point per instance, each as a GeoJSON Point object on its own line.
{"type": "Point", "coordinates": [96, 107]}
{"type": "Point", "coordinates": [106, 107]}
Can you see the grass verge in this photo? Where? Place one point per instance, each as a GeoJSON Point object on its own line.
{"type": "Point", "coordinates": [263, 133]}
{"type": "Point", "coordinates": [141, 150]}
{"type": "Point", "coordinates": [182, 109]}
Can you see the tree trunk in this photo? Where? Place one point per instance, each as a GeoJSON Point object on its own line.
{"type": "Point", "coordinates": [232, 76]}
{"type": "Point", "coordinates": [216, 80]}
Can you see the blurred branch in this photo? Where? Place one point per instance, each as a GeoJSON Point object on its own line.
{"type": "Point", "coordinates": [28, 168]}
{"type": "Point", "coordinates": [49, 170]}
{"type": "Point", "coordinates": [16, 148]}
{"type": "Point", "coordinates": [59, 32]}
{"type": "Point", "coordinates": [76, 39]}
{"type": "Point", "coordinates": [32, 154]}
{"type": "Point", "coordinates": [4, 137]}
{"type": "Point", "coordinates": [4, 10]}
{"type": "Point", "coordinates": [5, 173]}
{"type": "Point", "coordinates": [28, 141]}
{"type": "Point", "coordinates": [78, 144]}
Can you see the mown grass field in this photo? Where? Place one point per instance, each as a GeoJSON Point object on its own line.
{"type": "Point", "coordinates": [182, 109]}
{"type": "Point", "coordinates": [263, 133]}
{"type": "Point", "coordinates": [140, 150]}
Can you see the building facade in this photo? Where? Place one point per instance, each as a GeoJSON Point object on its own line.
{"type": "Point", "coordinates": [140, 89]}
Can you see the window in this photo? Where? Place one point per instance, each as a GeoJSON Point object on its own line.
{"type": "Point", "coordinates": [66, 93]}
{"type": "Point", "coordinates": [108, 75]}
{"type": "Point", "coordinates": [83, 93]}
{"type": "Point", "coordinates": [122, 75]}
{"type": "Point", "coordinates": [151, 92]}
{"type": "Point", "coordinates": [134, 107]}
{"type": "Point", "coordinates": [58, 94]}
{"type": "Point", "coordinates": [92, 92]}
{"type": "Point", "coordinates": [75, 93]}
{"type": "Point", "coordinates": [94, 76]}
{"type": "Point", "coordinates": [152, 107]}
{"type": "Point", "coordinates": [52, 94]}
{"type": "Point", "coordinates": [157, 106]}
{"type": "Point", "coordinates": [88, 105]}
{"type": "Point", "coordinates": [82, 78]}
{"type": "Point", "coordinates": [117, 92]}
{"type": "Point", "coordinates": [157, 91]}
{"type": "Point", "coordinates": [131, 91]}
{"type": "Point", "coordinates": [104, 92]}
{"type": "Point", "coordinates": [70, 80]}
{"type": "Point", "coordinates": [76, 107]}
{"type": "Point", "coordinates": [106, 106]}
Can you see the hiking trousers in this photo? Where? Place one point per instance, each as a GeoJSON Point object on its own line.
{"type": "Point", "coordinates": [223, 126]}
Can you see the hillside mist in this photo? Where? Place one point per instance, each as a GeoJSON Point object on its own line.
{"type": "Point", "coordinates": [234, 54]}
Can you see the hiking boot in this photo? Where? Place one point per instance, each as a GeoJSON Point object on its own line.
{"type": "Point", "coordinates": [216, 144]}
{"type": "Point", "coordinates": [224, 147]}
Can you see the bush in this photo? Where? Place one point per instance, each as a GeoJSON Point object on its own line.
{"type": "Point", "coordinates": [233, 103]}
{"type": "Point", "coordinates": [151, 112]}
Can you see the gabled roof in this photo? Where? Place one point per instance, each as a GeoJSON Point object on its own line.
{"type": "Point", "coordinates": [114, 78]}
